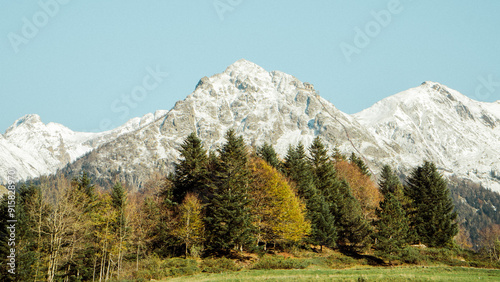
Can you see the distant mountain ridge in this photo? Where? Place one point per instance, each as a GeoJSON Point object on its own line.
{"type": "Point", "coordinates": [34, 148]}
{"type": "Point", "coordinates": [434, 122]}
{"type": "Point", "coordinates": [430, 122]}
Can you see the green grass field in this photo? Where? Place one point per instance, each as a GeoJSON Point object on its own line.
{"type": "Point", "coordinates": [416, 273]}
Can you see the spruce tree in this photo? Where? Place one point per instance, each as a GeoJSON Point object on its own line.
{"type": "Point", "coordinates": [352, 228]}
{"type": "Point", "coordinates": [267, 153]}
{"type": "Point", "coordinates": [392, 225]}
{"type": "Point", "coordinates": [355, 230]}
{"type": "Point", "coordinates": [432, 216]}
{"type": "Point", "coordinates": [324, 174]}
{"type": "Point", "coordinates": [84, 184]}
{"type": "Point", "coordinates": [191, 169]}
{"type": "Point", "coordinates": [323, 226]}
{"type": "Point", "coordinates": [389, 182]}
{"type": "Point", "coordinates": [360, 163]}
{"type": "Point", "coordinates": [228, 218]}
{"type": "Point", "coordinates": [297, 168]}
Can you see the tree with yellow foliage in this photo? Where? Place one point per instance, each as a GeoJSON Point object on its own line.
{"type": "Point", "coordinates": [279, 215]}
{"type": "Point", "coordinates": [190, 223]}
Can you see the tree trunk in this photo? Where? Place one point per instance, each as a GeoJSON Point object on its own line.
{"type": "Point", "coordinates": [137, 259]}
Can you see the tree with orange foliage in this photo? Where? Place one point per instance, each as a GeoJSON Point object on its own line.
{"type": "Point", "coordinates": [362, 187]}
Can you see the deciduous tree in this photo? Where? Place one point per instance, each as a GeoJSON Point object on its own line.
{"type": "Point", "coordinates": [279, 214]}
{"type": "Point", "coordinates": [190, 228]}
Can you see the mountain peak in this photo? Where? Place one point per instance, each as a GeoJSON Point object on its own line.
{"type": "Point", "coordinates": [29, 119]}
{"type": "Point", "coordinates": [244, 66]}
{"type": "Point", "coordinates": [429, 83]}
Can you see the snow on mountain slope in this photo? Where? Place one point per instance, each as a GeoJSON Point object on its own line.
{"type": "Point", "coordinates": [262, 106]}
{"type": "Point", "coordinates": [436, 123]}
{"type": "Point", "coordinates": [429, 122]}
{"type": "Point", "coordinates": [34, 148]}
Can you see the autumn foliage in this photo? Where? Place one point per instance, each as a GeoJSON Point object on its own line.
{"type": "Point", "coordinates": [279, 214]}
{"type": "Point", "coordinates": [363, 188]}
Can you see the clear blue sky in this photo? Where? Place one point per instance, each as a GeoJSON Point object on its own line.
{"type": "Point", "coordinates": [86, 56]}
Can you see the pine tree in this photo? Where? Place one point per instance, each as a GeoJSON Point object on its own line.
{"type": "Point", "coordinates": [267, 153]}
{"type": "Point", "coordinates": [389, 182]}
{"type": "Point", "coordinates": [191, 169]}
{"type": "Point", "coordinates": [228, 217]}
{"type": "Point", "coordinates": [297, 168]}
{"type": "Point", "coordinates": [392, 225]}
{"type": "Point", "coordinates": [360, 163]}
{"type": "Point", "coordinates": [432, 216]}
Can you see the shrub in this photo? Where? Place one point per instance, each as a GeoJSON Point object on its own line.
{"type": "Point", "coordinates": [154, 268]}
{"type": "Point", "coordinates": [180, 267]}
{"type": "Point", "coordinates": [279, 262]}
{"type": "Point", "coordinates": [218, 265]}
{"type": "Point", "coordinates": [412, 255]}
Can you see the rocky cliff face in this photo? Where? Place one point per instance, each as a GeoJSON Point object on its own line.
{"type": "Point", "coordinates": [429, 122]}
{"type": "Point", "coordinates": [262, 106]}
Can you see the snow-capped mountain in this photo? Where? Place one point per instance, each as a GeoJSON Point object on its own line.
{"type": "Point", "coordinates": [429, 122]}
{"type": "Point", "coordinates": [263, 106]}
{"type": "Point", "coordinates": [436, 123]}
{"type": "Point", "coordinates": [34, 148]}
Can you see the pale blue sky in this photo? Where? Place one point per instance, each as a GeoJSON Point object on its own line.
{"type": "Point", "coordinates": [86, 56]}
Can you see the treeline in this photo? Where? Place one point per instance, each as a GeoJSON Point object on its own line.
{"type": "Point", "coordinates": [222, 203]}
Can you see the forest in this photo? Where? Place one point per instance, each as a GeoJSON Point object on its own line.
{"type": "Point", "coordinates": [219, 208]}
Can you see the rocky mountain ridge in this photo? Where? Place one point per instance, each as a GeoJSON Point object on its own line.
{"type": "Point", "coordinates": [430, 122]}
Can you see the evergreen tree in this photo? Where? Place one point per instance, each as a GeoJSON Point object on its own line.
{"type": "Point", "coordinates": [389, 182]}
{"type": "Point", "coordinates": [297, 168]}
{"type": "Point", "coordinates": [355, 230]}
{"type": "Point", "coordinates": [29, 249]}
{"type": "Point", "coordinates": [323, 225]}
{"type": "Point", "coordinates": [228, 217]}
{"type": "Point", "coordinates": [191, 169]}
{"type": "Point", "coordinates": [267, 153]}
{"type": "Point", "coordinates": [84, 184]}
{"type": "Point", "coordinates": [352, 227]}
{"type": "Point", "coordinates": [432, 216]}
{"type": "Point", "coordinates": [324, 174]}
{"type": "Point", "coordinates": [360, 163]}
{"type": "Point", "coordinates": [392, 225]}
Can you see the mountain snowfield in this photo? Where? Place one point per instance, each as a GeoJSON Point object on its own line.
{"type": "Point", "coordinates": [429, 122]}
